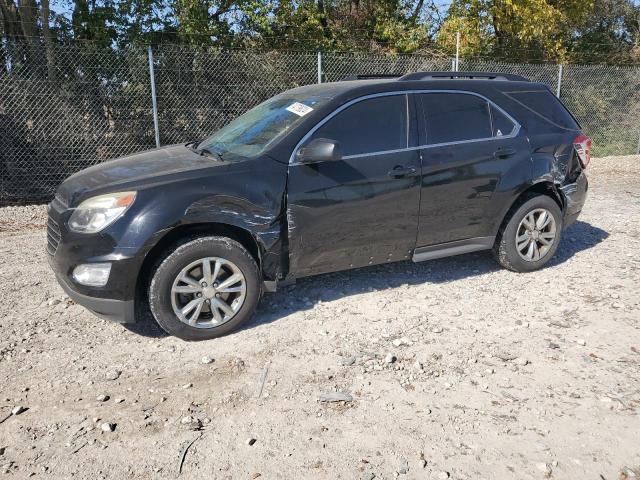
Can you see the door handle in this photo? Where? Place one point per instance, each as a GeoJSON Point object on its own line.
{"type": "Point", "coordinates": [504, 153]}
{"type": "Point", "coordinates": [400, 171]}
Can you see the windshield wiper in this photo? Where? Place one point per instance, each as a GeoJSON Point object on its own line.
{"type": "Point", "coordinates": [208, 153]}
{"type": "Point", "coordinates": [204, 151]}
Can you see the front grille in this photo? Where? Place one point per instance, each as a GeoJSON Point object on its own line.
{"type": "Point", "coordinates": [53, 236]}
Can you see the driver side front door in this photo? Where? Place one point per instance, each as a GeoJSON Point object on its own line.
{"type": "Point", "coordinates": [362, 209]}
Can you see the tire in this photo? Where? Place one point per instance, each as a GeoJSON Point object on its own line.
{"type": "Point", "coordinates": [505, 250]}
{"type": "Point", "coordinates": [170, 297]}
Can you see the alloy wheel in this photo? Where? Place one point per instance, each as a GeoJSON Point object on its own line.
{"type": "Point", "coordinates": [208, 292]}
{"type": "Point", "coordinates": [536, 234]}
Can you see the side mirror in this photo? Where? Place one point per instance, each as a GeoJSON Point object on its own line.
{"type": "Point", "coordinates": [319, 150]}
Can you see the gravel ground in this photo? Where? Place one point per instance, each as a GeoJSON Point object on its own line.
{"type": "Point", "coordinates": [447, 369]}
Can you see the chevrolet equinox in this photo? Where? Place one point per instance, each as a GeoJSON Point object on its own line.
{"type": "Point", "coordinates": [317, 179]}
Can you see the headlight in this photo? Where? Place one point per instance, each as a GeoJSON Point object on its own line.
{"type": "Point", "coordinates": [97, 213]}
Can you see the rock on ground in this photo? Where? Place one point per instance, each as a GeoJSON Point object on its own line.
{"type": "Point", "coordinates": [455, 400]}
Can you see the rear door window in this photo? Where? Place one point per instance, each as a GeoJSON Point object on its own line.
{"type": "Point", "coordinates": [372, 125]}
{"type": "Point", "coordinates": [455, 117]}
{"type": "Point", "coordinates": [500, 123]}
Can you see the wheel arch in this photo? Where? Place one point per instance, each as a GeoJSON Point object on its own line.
{"type": "Point", "coordinates": [178, 235]}
{"type": "Point", "coordinates": [543, 187]}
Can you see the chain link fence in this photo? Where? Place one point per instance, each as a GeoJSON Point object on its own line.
{"type": "Point", "coordinates": [604, 99]}
{"type": "Point", "coordinates": [66, 107]}
{"type": "Point", "coordinates": [59, 117]}
{"type": "Point", "coordinates": [200, 90]}
{"type": "Point", "coordinates": [336, 66]}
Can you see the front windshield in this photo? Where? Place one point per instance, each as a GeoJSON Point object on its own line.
{"type": "Point", "coordinates": [250, 133]}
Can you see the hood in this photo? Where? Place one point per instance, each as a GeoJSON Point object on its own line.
{"type": "Point", "coordinates": [134, 171]}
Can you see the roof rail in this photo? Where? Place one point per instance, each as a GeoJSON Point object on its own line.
{"type": "Point", "coordinates": [369, 76]}
{"type": "Point", "coordinates": [463, 75]}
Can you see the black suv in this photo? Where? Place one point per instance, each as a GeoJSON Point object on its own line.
{"type": "Point", "coordinates": [317, 179]}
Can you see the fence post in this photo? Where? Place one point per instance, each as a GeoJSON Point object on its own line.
{"type": "Point", "coordinates": [319, 67]}
{"type": "Point", "coordinates": [559, 81]}
{"type": "Point", "coordinates": [453, 64]}
{"type": "Point", "coordinates": [152, 78]}
{"type": "Point", "coordinates": [457, 51]}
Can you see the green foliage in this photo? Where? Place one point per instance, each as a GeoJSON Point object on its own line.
{"type": "Point", "coordinates": [586, 31]}
{"type": "Point", "coordinates": [610, 34]}
{"type": "Point", "coordinates": [391, 25]}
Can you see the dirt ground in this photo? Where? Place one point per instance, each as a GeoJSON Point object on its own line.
{"type": "Point", "coordinates": [453, 368]}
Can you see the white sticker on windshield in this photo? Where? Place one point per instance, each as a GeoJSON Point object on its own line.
{"type": "Point", "coordinates": [299, 109]}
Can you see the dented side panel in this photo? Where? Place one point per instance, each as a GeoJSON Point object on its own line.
{"type": "Point", "coordinates": [248, 195]}
{"type": "Point", "coordinates": [555, 161]}
{"type": "Point", "coordinates": [351, 213]}
{"type": "Point", "coordinates": [555, 164]}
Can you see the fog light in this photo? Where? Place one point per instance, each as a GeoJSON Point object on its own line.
{"type": "Point", "coordinates": [92, 274]}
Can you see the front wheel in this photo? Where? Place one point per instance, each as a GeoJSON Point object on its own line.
{"type": "Point", "coordinates": [206, 288]}
{"type": "Point", "coordinates": [530, 236]}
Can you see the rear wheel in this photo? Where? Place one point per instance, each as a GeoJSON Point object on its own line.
{"type": "Point", "coordinates": [205, 289]}
{"type": "Point", "coordinates": [530, 236]}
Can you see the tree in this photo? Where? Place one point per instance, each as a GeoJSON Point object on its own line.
{"type": "Point", "coordinates": [18, 21]}
{"type": "Point", "coordinates": [512, 30]}
{"type": "Point", "coordinates": [48, 40]}
{"type": "Point", "coordinates": [521, 30]}
{"type": "Point", "coordinates": [357, 25]}
{"type": "Point", "coordinates": [610, 33]}
{"type": "Point", "coordinates": [144, 21]}
{"type": "Point", "coordinates": [9, 18]}
{"type": "Point", "coordinates": [28, 17]}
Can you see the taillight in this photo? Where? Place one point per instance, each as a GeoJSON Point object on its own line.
{"type": "Point", "coordinates": [582, 144]}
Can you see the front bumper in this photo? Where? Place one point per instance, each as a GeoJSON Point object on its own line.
{"type": "Point", "coordinates": [121, 311]}
{"type": "Point", "coordinates": [116, 300]}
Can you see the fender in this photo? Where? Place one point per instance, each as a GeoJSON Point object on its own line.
{"type": "Point", "coordinates": [544, 171]}
{"type": "Point", "coordinates": [248, 200]}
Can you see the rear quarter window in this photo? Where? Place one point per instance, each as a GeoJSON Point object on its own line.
{"type": "Point", "coordinates": [545, 105]}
